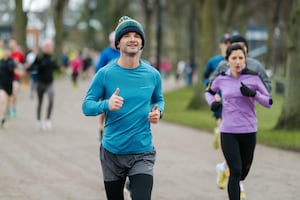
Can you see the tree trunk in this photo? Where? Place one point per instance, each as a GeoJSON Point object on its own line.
{"type": "Point", "coordinates": [90, 31]}
{"type": "Point", "coordinates": [226, 15]}
{"type": "Point", "coordinates": [148, 8]}
{"type": "Point", "coordinates": [272, 41]}
{"type": "Point", "coordinates": [58, 22]}
{"type": "Point", "coordinates": [20, 25]}
{"type": "Point", "coordinates": [290, 116]}
{"type": "Point", "coordinates": [206, 50]}
{"type": "Point", "coordinates": [179, 25]}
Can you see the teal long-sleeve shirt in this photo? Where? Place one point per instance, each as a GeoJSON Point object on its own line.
{"type": "Point", "coordinates": [128, 130]}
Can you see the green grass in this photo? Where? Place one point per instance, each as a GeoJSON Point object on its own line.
{"type": "Point", "coordinates": [176, 112]}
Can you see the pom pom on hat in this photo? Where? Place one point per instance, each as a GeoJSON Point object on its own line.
{"type": "Point", "coordinates": [126, 25]}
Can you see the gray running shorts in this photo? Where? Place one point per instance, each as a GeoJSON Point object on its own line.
{"type": "Point", "coordinates": [116, 167]}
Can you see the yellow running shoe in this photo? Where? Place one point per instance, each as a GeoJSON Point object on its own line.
{"type": "Point", "coordinates": [227, 172]}
{"type": "Point", "coordinates": [221, 176]}
{"type": "Point", "coordinates": [243, 195]}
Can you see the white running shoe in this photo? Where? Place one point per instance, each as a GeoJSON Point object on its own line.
{"type": "Point", "coordinates": [39, 125]}
{"type": "Point", "coordinates": [48, 125]}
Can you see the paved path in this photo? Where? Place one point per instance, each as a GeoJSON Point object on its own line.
{"type": "Point", "coordinates": [62, 164]}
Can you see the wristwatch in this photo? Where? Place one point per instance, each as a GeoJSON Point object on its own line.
{"type": "Point", "coordinates": [161, 114]}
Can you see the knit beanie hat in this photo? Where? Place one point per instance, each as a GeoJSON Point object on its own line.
{"type": "Point", "coordinates": [238, 38]}
{"type": "Point", "coordinates": [126, 25]}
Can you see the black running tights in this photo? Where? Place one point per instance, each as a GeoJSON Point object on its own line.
{"type": "Point", "coordinates": [238, 150]}
{"type": "Point", "coordinates": [41, 90]}
{"type": "Point", "coordinates": [140, 188]}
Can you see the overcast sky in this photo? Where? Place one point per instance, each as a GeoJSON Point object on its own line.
{"type": "Point", "coordinates": [40, 5]}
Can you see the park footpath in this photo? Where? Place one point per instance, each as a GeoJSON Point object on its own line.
{"type": "Point", "coordinates": [63, 164]}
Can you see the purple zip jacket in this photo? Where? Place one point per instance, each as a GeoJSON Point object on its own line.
{"type": "Point", "coordinates": [238, 112]}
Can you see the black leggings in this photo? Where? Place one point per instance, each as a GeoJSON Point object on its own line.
{"type": "Point", "coordinates": [238, 150]}
{"type": "Point", "coordinates": [74, 78]}
{"type": "Point", "coordinates": [41, 89]}
{"type": "Point", "coordinates": [140, 188]}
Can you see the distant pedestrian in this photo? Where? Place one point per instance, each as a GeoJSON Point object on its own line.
{"type": "Point", "coordinates": [7, 67]}
{"type": "Point", "coordinates": [180, 70]}
{"type": "Point", "coordinates": [76, 65]}
{"type": "Point", "coordinates": [129, 91]}
{"type": "Point", "coordinates": [30, 58]}
{"type": "Point", "coordinates": [241, 89]}
{"type": "Point", "coordinates": [188, 72]}
{"type": "Point", "coordinates": [109, 53]}
{"type": "Point", "coordinates": [45, 66]}
{"type": "Point", "coordinates": [65, 60]}
{"type": "Point", "coordinates": [214, 61]}
{"type": "Point", "coordinates": [18, 55]}
{"type": "Point", "coordinates": [87, 60]}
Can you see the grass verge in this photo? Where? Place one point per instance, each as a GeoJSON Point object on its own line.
{"type": "Point", "coordinates": [176, 112]}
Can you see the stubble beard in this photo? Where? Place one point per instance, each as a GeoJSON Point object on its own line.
{"type": "Point", "coordinates": [131, 53]}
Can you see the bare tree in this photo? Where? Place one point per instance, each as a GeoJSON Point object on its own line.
{"type": "Point", "coordinates": [226, 13]}
{"type": "Point", "coordinates": [270, 58]}
{"type": "Point", "coordinates": [20, 24]}
{"type": "Point", "coordinates": [108, 13]}
{"type": "Point", "coordinates": [148, 8]}
{"type": "Point", "coordinates": [207, 35]}
{"type": "Point", "coordinates": [59, 6]}
{"type": "Point", "coordinates": [227, 16]}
